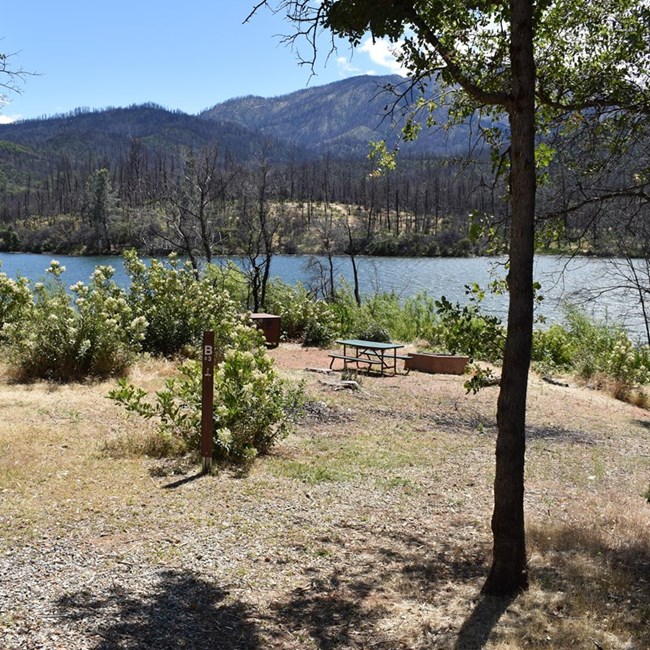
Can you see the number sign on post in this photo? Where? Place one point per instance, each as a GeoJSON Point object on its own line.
{"type": "Point", "coordinates": [207, 396]}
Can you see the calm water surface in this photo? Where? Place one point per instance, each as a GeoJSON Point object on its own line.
{"type": "Point", "coordinates": [563, 280]}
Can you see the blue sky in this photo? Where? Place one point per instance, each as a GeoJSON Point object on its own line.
{"type": "Point", "coordinates": [182, 55]}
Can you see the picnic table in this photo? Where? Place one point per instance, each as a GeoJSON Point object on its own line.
{"type": "Point", "coordinates": [369, 355]}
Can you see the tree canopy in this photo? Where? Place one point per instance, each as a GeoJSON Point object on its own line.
{"type": "Point", "coordinates": [594, 55]}
{"type": "Point", "coordinates": [546, 65]}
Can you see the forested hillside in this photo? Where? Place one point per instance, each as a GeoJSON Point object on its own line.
{"type": "Point", "coordinates": [255, 176]}
{"type": "Point", "coordinates": [162, 180]}
{"type": "Point", "coordinates": [342, 118]}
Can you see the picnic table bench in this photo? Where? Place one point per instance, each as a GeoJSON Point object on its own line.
{"type": "Point", "coordinates": [369, 355]}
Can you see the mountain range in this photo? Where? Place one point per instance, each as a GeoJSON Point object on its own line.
{"type": "Point", "coordinates": [338, 119]}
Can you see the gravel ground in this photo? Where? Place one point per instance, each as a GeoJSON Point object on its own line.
{"type": "Point", "coordinates": [367, 528]}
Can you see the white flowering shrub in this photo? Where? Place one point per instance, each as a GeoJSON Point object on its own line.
{"type": "Point", "coordinates": [88, 331]}
{"type": "Point", "coordinates": [302, 317]}
{"type": "Point", "coordinates": [598, 349]}
{"type": "Point", "coordinates": [15, 301]}
{"type": "Point", "coordinates": [628, 364]}
{"type": "Point", "coordinates": [253, 407]}
{"type": "Point", "coordinates": [178, 306]}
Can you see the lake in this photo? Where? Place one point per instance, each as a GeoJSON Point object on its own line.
{"type": "Point", "coordinates": [563, 280]}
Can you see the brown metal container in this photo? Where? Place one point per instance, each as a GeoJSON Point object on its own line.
{"type": "Point", "coordinates": [270, 326]}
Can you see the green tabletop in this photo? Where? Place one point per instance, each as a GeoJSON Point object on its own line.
{"type": "Point", "coordinates": [371, 345]}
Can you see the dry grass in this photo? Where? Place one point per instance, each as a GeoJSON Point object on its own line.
{"type": "Point", "coordinates": [367, 528]}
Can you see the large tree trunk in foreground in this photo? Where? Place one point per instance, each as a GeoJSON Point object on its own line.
{"type": "Point", "coordinates": [509, 573]}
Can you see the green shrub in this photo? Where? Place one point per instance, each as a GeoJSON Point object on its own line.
{"type": "Point", "coordinates": [345, 310]}
{"type": "Point", "coordinates": [96, 329]}
{"type": "Point", "coordinates": [419, 319]}
{"type": "Point", "coordinates": [380, 318]}
{"type": "Point", "coordinates": [386, 316]}
{"type": "Point", "coordinates": [375, 320]}
{"type": "Point", "coordinates": [91, 331]}
{"type": "Point", "coordinates": [628, 364]}
{"type": "Point", "coordinates": [467, 330]}
{"type": "Point", "coordinates": [178, 306]}
{"type": "Point", "coordinates": [596, 351]}
{"type": "Point", "coordinates": [373, 331]}
{"type": "Point", "coordinates": [318, 334]}
{"type": "Point", "coordinates": [591, 342]}
{"type": "Point", "coordinates": [553, 348]}
{"type": "Point", "coordinates": [15, 302]}
{"type": "Point", "coordinates": [229, 278]}
{"type": "Point", "coordinates": [599, 349]}
{"type": "Point", "coordinates": [302, 317]}
{"type": "Point", "coordinates": [253, 407]}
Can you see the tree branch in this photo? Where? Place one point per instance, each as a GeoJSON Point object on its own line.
{"type": "Point", "coordinates": [449, 57]}
{"type": "Point", "coordinates": [9, 77]}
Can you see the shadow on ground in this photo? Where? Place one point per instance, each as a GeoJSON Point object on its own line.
{"type": "Point", "coordinates": [643, 423]}
{"type": "Point", "coordinates": [348, 605]}
{"type": "Point", "coordinates": [386, 589]}
{"type": "Point", "coordinates": [476, 629]}
{"type": "Point", "coordinates": [561, 434]}
{"type": "Point", "coordinates": [611, 582]}
{"type": "Point", "coordinates": [183, 611]}
{"type": "Point", "coordinates": [354, 604]}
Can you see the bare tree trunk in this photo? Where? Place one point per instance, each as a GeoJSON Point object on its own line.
{"type": "Point", "coordinates": [352, 251]}
{"type": "Point", "coordinates": [509, 572]}
{"type": "Point", "coordinates": [330, 270]}
{"type": "Point", "coordinates": [355, 276]}
{"type": "Point", "coordinates": [642, 288]}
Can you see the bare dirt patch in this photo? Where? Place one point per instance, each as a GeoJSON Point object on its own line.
{"type": "Point", "coordinates": [366, 528]}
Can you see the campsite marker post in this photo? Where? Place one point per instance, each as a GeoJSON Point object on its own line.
{"type": "Point", "coordinates": [207, 396]}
